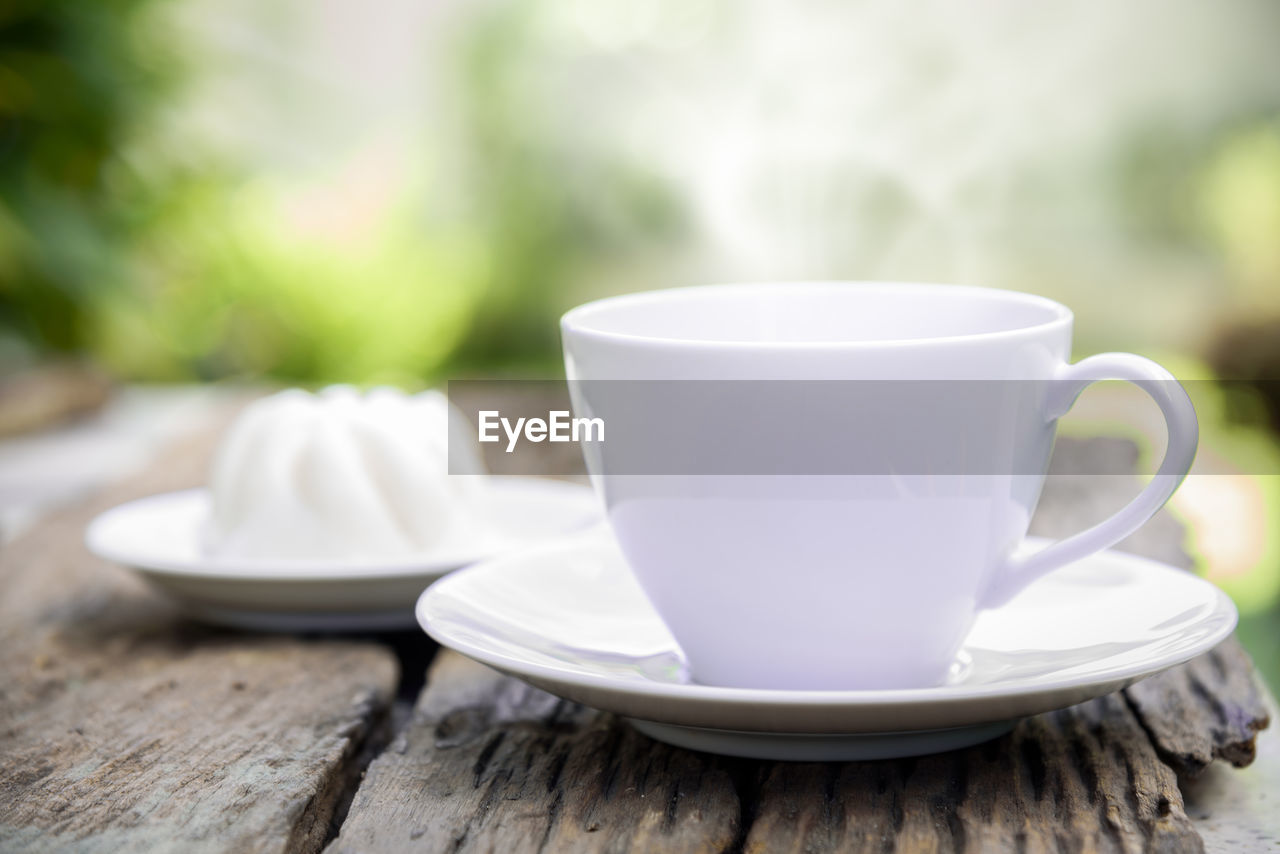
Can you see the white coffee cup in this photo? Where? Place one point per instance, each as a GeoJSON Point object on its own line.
{"type": "Point", "coordinates": [791, 578]}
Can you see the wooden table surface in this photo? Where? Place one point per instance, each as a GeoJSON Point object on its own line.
{"type": "Point", "coordinates": [125, 727]}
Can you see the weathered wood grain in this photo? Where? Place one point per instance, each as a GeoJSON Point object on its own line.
{"type": "Point", "coordinates": [124, 727]}
{"type": "Point", "coordinates": [1234, 809]}
{"type": "Point", "coordinates": [1210, 708]}
{"type": "Point", "coordinates": [1084, 779]}
{"type": "Point", "coordinates": [1207, 709]}
{"type": "Point", "coordinates": [490, 764]}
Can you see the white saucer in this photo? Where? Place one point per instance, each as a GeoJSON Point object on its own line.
{"type": "Point", "coordinates": [159, 537]}
{"type": "Point", "coordinates": [568, 618]}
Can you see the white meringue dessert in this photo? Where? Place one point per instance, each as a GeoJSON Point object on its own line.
{"type": "Point", "coordinates": [347, 476]}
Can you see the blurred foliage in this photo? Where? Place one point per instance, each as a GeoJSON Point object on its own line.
{"type": "Point", "coordinates": [76, 80]}
{"type": "Point", "coordinates": [169, 264]}
{"type": "Point", "coordinates": [169, 260]}
{"type": "Point", "coordinates": [588, 147]}
{"type": "Point", "coordinates": [1240, 204]}
{"type": "Point", "coordinates": [237, 282]}
{"type": "Point", "coordinates": [546, 204]}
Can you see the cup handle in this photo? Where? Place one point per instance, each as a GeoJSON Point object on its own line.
{"type": "Point", "coordinates": [1183, 431]}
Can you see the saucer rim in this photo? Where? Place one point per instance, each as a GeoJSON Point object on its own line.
{"type": "Point", "coordinates": [579, 498]}
{"type": "Point", "coordinates": [779, 699]}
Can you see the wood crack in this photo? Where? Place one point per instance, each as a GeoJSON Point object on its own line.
{"type": "Point", "coordinates": [124, 726]}
{"type": "Point", "coordinates": [151, 731]}
{"type": "Point", "coordinates": [376, 738]}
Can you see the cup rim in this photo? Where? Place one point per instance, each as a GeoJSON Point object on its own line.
{"type": "Point", "coordinates": [577, 320]}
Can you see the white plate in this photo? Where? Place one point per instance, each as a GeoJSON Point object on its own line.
{"type": "Point", "coordinates": [159, 537]}
{"type": "Point", "coordinates": [569, 618]}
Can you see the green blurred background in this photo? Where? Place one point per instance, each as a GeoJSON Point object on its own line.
{"type": "Point", "coordinates": [311, 191]}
